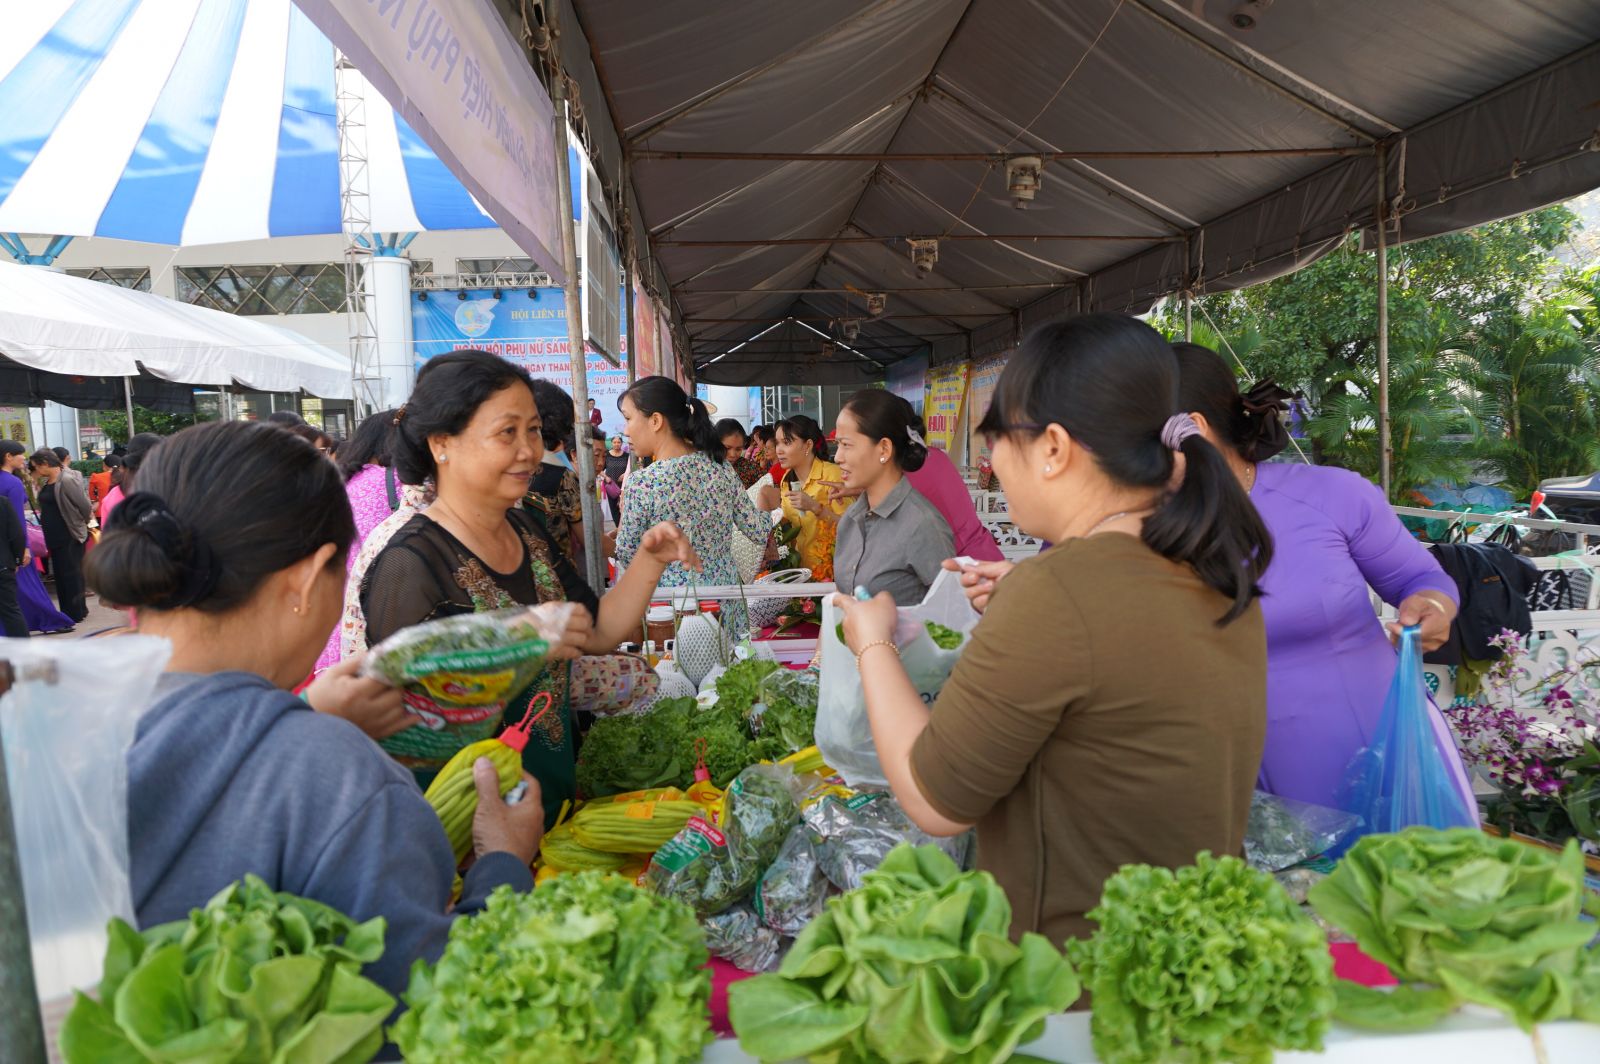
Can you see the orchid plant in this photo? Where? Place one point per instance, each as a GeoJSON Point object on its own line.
{"type": "Point", "coordinates": [1534, 737]}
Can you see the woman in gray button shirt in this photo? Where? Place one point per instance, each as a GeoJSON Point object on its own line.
{"type": "Point", "coordinates": [891, 539]}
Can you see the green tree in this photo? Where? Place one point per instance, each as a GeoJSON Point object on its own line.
{"type": "Point", "coordinates": [114, 423]}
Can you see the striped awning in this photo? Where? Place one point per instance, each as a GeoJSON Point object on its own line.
{"type": "Point", "coordinates": [190, 122]}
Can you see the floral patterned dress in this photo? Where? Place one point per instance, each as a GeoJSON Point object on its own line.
{"type": "Point", "coordinates": [703, 497]}
{"type": "Point", "coordinates": [425, 573]}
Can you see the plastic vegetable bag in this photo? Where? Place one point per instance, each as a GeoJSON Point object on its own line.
{"type": "Point", "coordinates": [711, 868]}
{"type": "Point", "coordinates": [852, 836]}
{"type": "Point", "coordinates": [1283, 832]}
{"type": "Point", "coordinates": [844, 735]}
{"type": "Point", "coordinates": [459, 673]}
{"type": "Point", "coordinates": [66, 747]}
{"type": "Point", "coordinates": [1411, 773]}
{"type": "Point", "coordinates": [793, 889]}
{"type": "Point", "coordinates": [737, 936]}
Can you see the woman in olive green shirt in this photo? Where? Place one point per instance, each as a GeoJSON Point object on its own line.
{"type": "Point", "coordinates": [1110, 709]}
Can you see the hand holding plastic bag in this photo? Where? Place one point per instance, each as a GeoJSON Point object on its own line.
{"type": "Point", "coordinates": [1411, 773]}
{"type": "Point", "coordinates": [928, 654]}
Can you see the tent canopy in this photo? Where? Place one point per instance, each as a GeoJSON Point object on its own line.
{"type": "Point", "coordinates": [190, 122]}
{"type": "Point", "coordinates": [71, 325]}
{"type": "Point", "coordinates": [1197, 145]}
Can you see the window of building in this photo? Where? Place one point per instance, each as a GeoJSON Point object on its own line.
{"type": "Point", "coordinates": [134, 277]}
{"type": "Point", "coordinates": [286, 288]}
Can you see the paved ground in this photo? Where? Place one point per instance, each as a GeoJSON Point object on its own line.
{"type": "Point", "coordinates": [99, 617]}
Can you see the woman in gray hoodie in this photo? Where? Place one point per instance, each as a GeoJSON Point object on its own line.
{"type": "Point", "coordinates": [231, 774]}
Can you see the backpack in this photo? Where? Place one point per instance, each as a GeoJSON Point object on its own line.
{"type": "Point", "coordinates": [1494, 585]}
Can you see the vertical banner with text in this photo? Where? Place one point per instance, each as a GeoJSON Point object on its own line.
{"type": "Point", "coordinates": [985, 376]}
{"type": "Point", "coordinates": [947, 388]}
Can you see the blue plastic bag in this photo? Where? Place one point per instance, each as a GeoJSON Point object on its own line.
{"type": "Point", "coordinates": [1411, 773]}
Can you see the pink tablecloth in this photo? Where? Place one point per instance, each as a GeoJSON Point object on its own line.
{"type": "Point", "coordinates": [723, 975]}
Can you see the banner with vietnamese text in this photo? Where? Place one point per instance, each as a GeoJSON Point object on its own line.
{"type": "Point", "coordinates": [947, 388]}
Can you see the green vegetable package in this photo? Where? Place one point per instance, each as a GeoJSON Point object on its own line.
{"type": "Point", "coordinates": [1207, 964]}
{"type": "Point", "coordinates": [711, 869]}
{"type": "Point", "coordinates": [458, 675]}
{"type": "Point", "coordinates": [253, 978]}
{"type": "Point", "coordinates": [587, 969]}
{"type": "Point", "coordinates": [1460, 916]}
{"type": "Point", "coordinates": [915, 966]}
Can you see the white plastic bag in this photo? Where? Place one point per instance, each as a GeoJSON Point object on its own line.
{"type": "Point", "coordinates": [844, 734]}
{"type": "Point", "coordinates": [66, 735]}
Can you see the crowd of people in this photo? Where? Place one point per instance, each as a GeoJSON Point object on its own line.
{"type": "Point", "coordinates": [1197, 627]}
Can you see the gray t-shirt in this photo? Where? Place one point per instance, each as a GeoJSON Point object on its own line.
{"type": "Point", "coordinates": [897, 547]}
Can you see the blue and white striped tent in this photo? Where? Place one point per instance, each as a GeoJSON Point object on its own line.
{"type": "Point", "coordinates": [189, 122]}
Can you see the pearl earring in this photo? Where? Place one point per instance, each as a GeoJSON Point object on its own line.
{"type": "Point", "coordinates": [1048, 468]}
{"type": "Point", "coordinates": [444, 458]}
{"type": "Point", "coordinates": [882, 460]}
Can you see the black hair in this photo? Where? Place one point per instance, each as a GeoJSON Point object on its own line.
{"type": "Point", "coordinates": [727, 427]}
{"type": "Point", "coordinates": [63, 454]}
{"type": "Point", "coordinates": [369, 445]}
{"type": "Point", "coordinates": [596, 433]}
{"type": "Point", "coordinates": [287, 418]}
{"type": "Point", "coordinates": [448, 392]}
{"type": "Point", "coordinates": [685, 416]}
{"type": "Point", "coordinates": [884, 415]}
{"type": "Point", "coordinates": [763, 434]}
{"type": "Point", "coordinates": [178, 542]}
{"type": "Point", "coordinates": [111, 461]}
{"type": "Point", "coordinates": [557, 416]}
{"type": "Point", "coordinates": [12, 447]}
{"type": "Point", "coordinates": [44, 457]}
{"type": "Point", "coordinates": [1111, 382]}
{"type": "Point", "coordinates": [139, 447]}
{"type": "Point", "coordinates": [313, 435]}
{"type": "Point", "coordinates": [1251, 423]}
{"type": "Point", "coordinates": [801, 427]}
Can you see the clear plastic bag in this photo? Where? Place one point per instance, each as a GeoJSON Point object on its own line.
{"type": "Point", "coordinates": [852, 836]}
{"type": "Point", "coordinates": [66, 747]}
{"type": "Point", "coordinates": [1411, 773]}
{"type": "Point", "coordinates": [793, 889]}
{"type": "Point", "coordinates": [711, 869]}
{"type": "Point", "coordinates": [738, 937]}
{"type": "Point", "coordinates": [459, 674]}
{"type": "Point", "coordinates": [1283, 832]}
{"type": "Point", "coordinates": [844, 735]}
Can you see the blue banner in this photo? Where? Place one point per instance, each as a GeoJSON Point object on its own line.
{"type": "Point", "coordinates": [524, 326]}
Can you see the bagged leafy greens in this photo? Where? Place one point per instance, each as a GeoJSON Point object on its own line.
{"type": "Point", "coordinates": [252, 978]}
{"type": "Point", "coordinates": [852, 836]}
{"type": "Point", "coordinates": [1283, 832]}
{"type": "Point", "coordinates": [737, 936]}
{"type": "Point", "coordinates": [711, 869]}
{"type": "Point", "coordinates": [1485, 920]}
{"type": "Point", "coordinates": [793, 889]}
{"type": "Point", "coordinates": [1209, 964]}
{"type": "Point", "coordinates": [915, 966]}
{"type": "Point", "coordinates": [587, 969]}
{"type": "Point", "coordinates": [787, 709]}
{"type": "Point", "coordinates": [459, 674]}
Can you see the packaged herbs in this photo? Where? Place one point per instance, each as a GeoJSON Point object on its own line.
{"type": "Point", "coordinates": [458, 675]}
{"type": "Point", "coordinates": [1460, 916]}
{"type": "Point", "coordinates": [252, 978]}
{"type": "Point", "coordinates": [915, 966]}
{"type": "Point", "coordinates": [1207, 964]}
{"type": "Point", "coordinates": [587, 969]}
{"type": "Point", "coordinates": [792, 889]}
{"type": "Point", "coordinates": [711, 869]}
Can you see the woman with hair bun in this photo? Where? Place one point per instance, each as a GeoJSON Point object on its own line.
{"type": "Point", "coordinates": [689, 483]}
{"type": "Point", "coordinates": [1109, 708]}
{"type": "Point", "coordinates": [230, 774]}
{"type": "Point", "coordinates": [1329, 662]}
{"type": "Point", "coordinates": [891, 539]}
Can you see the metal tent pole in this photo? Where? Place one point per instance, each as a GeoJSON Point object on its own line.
{"type": "Point", "coordinates": [584, 458]}
{"type": "Point", "coordinates": [1385, 443]}
{"type": "Point", "coordinates": [631, 257]}
{"type": "Point", "coordinates": [127, 398]}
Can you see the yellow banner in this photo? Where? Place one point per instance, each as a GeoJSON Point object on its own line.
{"type": "Point", "coordinates": [947, 388]}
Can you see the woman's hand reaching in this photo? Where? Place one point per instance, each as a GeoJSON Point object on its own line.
{"type": "Point", "coordinates": [979, 580]}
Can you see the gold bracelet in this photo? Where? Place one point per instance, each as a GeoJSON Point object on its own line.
{"type": "Point", "coordinates": [876, 643]}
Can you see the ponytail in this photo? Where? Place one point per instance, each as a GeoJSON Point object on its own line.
{"type": "Point", "coordinates": [1208, 523]}
{"type": "Point", "coordinates": [685, 415]}
{"type": "Point", "coordinates": [1113, 383]}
